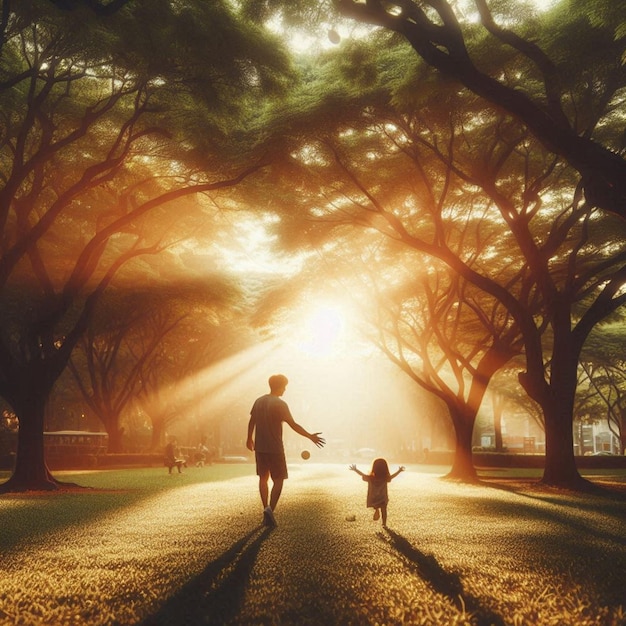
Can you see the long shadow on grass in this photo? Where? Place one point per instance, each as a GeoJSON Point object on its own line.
{"type": "Point", "coordinates": [566, 534]}
{"type": "Point", "coordinates": [443, 582]}
{"type": "Point", "coordinates": [589, 499]}
{"type": "Point", "coordinates": [570, 517]}
{"type": "Point", "coordinates": [35, 515]}
{"type": "Point", "coordinates": [215, 595]}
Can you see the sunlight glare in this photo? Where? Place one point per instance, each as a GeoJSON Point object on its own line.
{"type": "Point", "coordinates": [339, 387]}
{"type": "Point", "coordinates": [323, 332]}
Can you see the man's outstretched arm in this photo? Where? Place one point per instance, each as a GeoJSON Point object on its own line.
{"type": "Point", "coordinates": [314, 437]}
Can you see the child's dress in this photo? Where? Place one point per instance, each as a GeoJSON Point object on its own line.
{"type": "Point", "coordinates": [377, 495]}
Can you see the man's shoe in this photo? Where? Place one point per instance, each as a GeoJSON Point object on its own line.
{"type": "Point", "coordinates": [268, 517]}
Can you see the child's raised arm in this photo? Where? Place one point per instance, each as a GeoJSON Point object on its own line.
{"type": "Point", "coordinates": [400, 469]}
{"type": "Point", "coordinates": [354, 468]}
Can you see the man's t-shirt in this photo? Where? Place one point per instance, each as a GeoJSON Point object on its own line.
{"type": "Point", "coordinates": [269, 412]}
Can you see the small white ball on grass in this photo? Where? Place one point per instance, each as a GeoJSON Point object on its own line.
{"type": "Point", "coordinates": [305, 454]}
{"type": "Point", "coordinates": [333, 36]}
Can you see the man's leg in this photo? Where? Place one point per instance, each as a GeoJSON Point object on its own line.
{"type": "Point", "coordinates": [263, 487]}
{"type": "Point", "coordinates": [277, 488]}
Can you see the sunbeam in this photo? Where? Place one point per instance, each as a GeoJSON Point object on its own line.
{"type": "Point", "coordinates": [337, 385]}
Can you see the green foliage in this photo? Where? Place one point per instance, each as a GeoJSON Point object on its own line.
{"type": "Point", "coordinates": [302, 13]}
{"type": "Point", "coordinates": [203, 65]}
{"type": "Point", "coordinates": [582, 39]}
{"type": "Point", "coordinates": [609, 14]}
{"type": "Point", "coordinates": [108, 124]}
{"type": "Point", "coordinates": [607, 344]}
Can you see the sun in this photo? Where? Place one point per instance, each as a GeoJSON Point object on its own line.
{"type": "Point", "coordinates": [323, 332]}
{"type": "Point", "coordinates": [327, 323]}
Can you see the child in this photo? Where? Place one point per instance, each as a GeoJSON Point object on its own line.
{"type": "Point", "coordinates": [377, 480]}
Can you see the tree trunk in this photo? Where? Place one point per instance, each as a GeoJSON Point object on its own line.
{"type": "Point", "coordinates": [156, 441]}
{"type": "Point", "coordinates": [560, 468]}
{"type": "Point", "coordinates": [463, 465]}
{"type": "Point", "coordinates": [115, 436]}
{"type": "Point", "coordinates": [498, 406]}
{"type": "Point", "coordinates": [622, 432]}
{"type": "Point", "coordinates": [558, 409]}
{"type": "Point", "coordinates": [31, 472]}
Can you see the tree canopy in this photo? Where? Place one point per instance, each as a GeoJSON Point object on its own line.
{"type": "Point", "coordinates": [116, 129]}
{"type": "Point", "coordinates": [436, 170]}
{"type": "Point", "coordinates": [560, 73]}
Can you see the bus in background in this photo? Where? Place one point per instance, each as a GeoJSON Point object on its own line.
{"type": "Point", "coordinates": [63, 448]}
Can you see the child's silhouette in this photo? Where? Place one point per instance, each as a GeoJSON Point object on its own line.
{"type": "Point", "coordinates": [377, 479]}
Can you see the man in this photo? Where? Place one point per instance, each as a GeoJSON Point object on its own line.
{"type": "Point", "coordinates": [266, 418]}
{"type": "Point", "coordinates": [173, 458]}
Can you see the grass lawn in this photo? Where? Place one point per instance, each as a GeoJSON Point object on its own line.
{"type": "Point", "coordinates": [144, 547]}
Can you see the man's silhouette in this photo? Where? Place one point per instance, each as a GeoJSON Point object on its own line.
{"type": "Point", "coordinates": [266, 423]}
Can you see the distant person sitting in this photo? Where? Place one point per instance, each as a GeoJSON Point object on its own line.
{"type": "Point", "coordinates": [266, 424]}
{"type": "Point", "coordinates": [201, 454]}
{"type": "Point", "coordinates": [173, 458]}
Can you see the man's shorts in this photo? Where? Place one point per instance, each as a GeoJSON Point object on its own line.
{"type": "Point", "coordinates": [272, 462]}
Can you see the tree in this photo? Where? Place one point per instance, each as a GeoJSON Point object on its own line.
{"type": "Point", "coordinates": [603, 392]}
{"type": "Point", "coordinates": [142, 345]}
{"type": "Point", "coordinates": [174, 383]}
{"type": "Point", "coordinates": [509, 397]}
{"type": "Point", "coordinates": [114, 356]}
{"type": "Point", "coordinates": [497, 404]}
{"type": "Point", "coordinates": [420, 169]}
{"type": "Point", "coordinates": [563, 78]}
{"type": "Point", "coordinates": [577, 63]}
{"type": "Point", "coordinates": [106, 123]}
{"type": "Point", "coordinates": [444, 335]}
